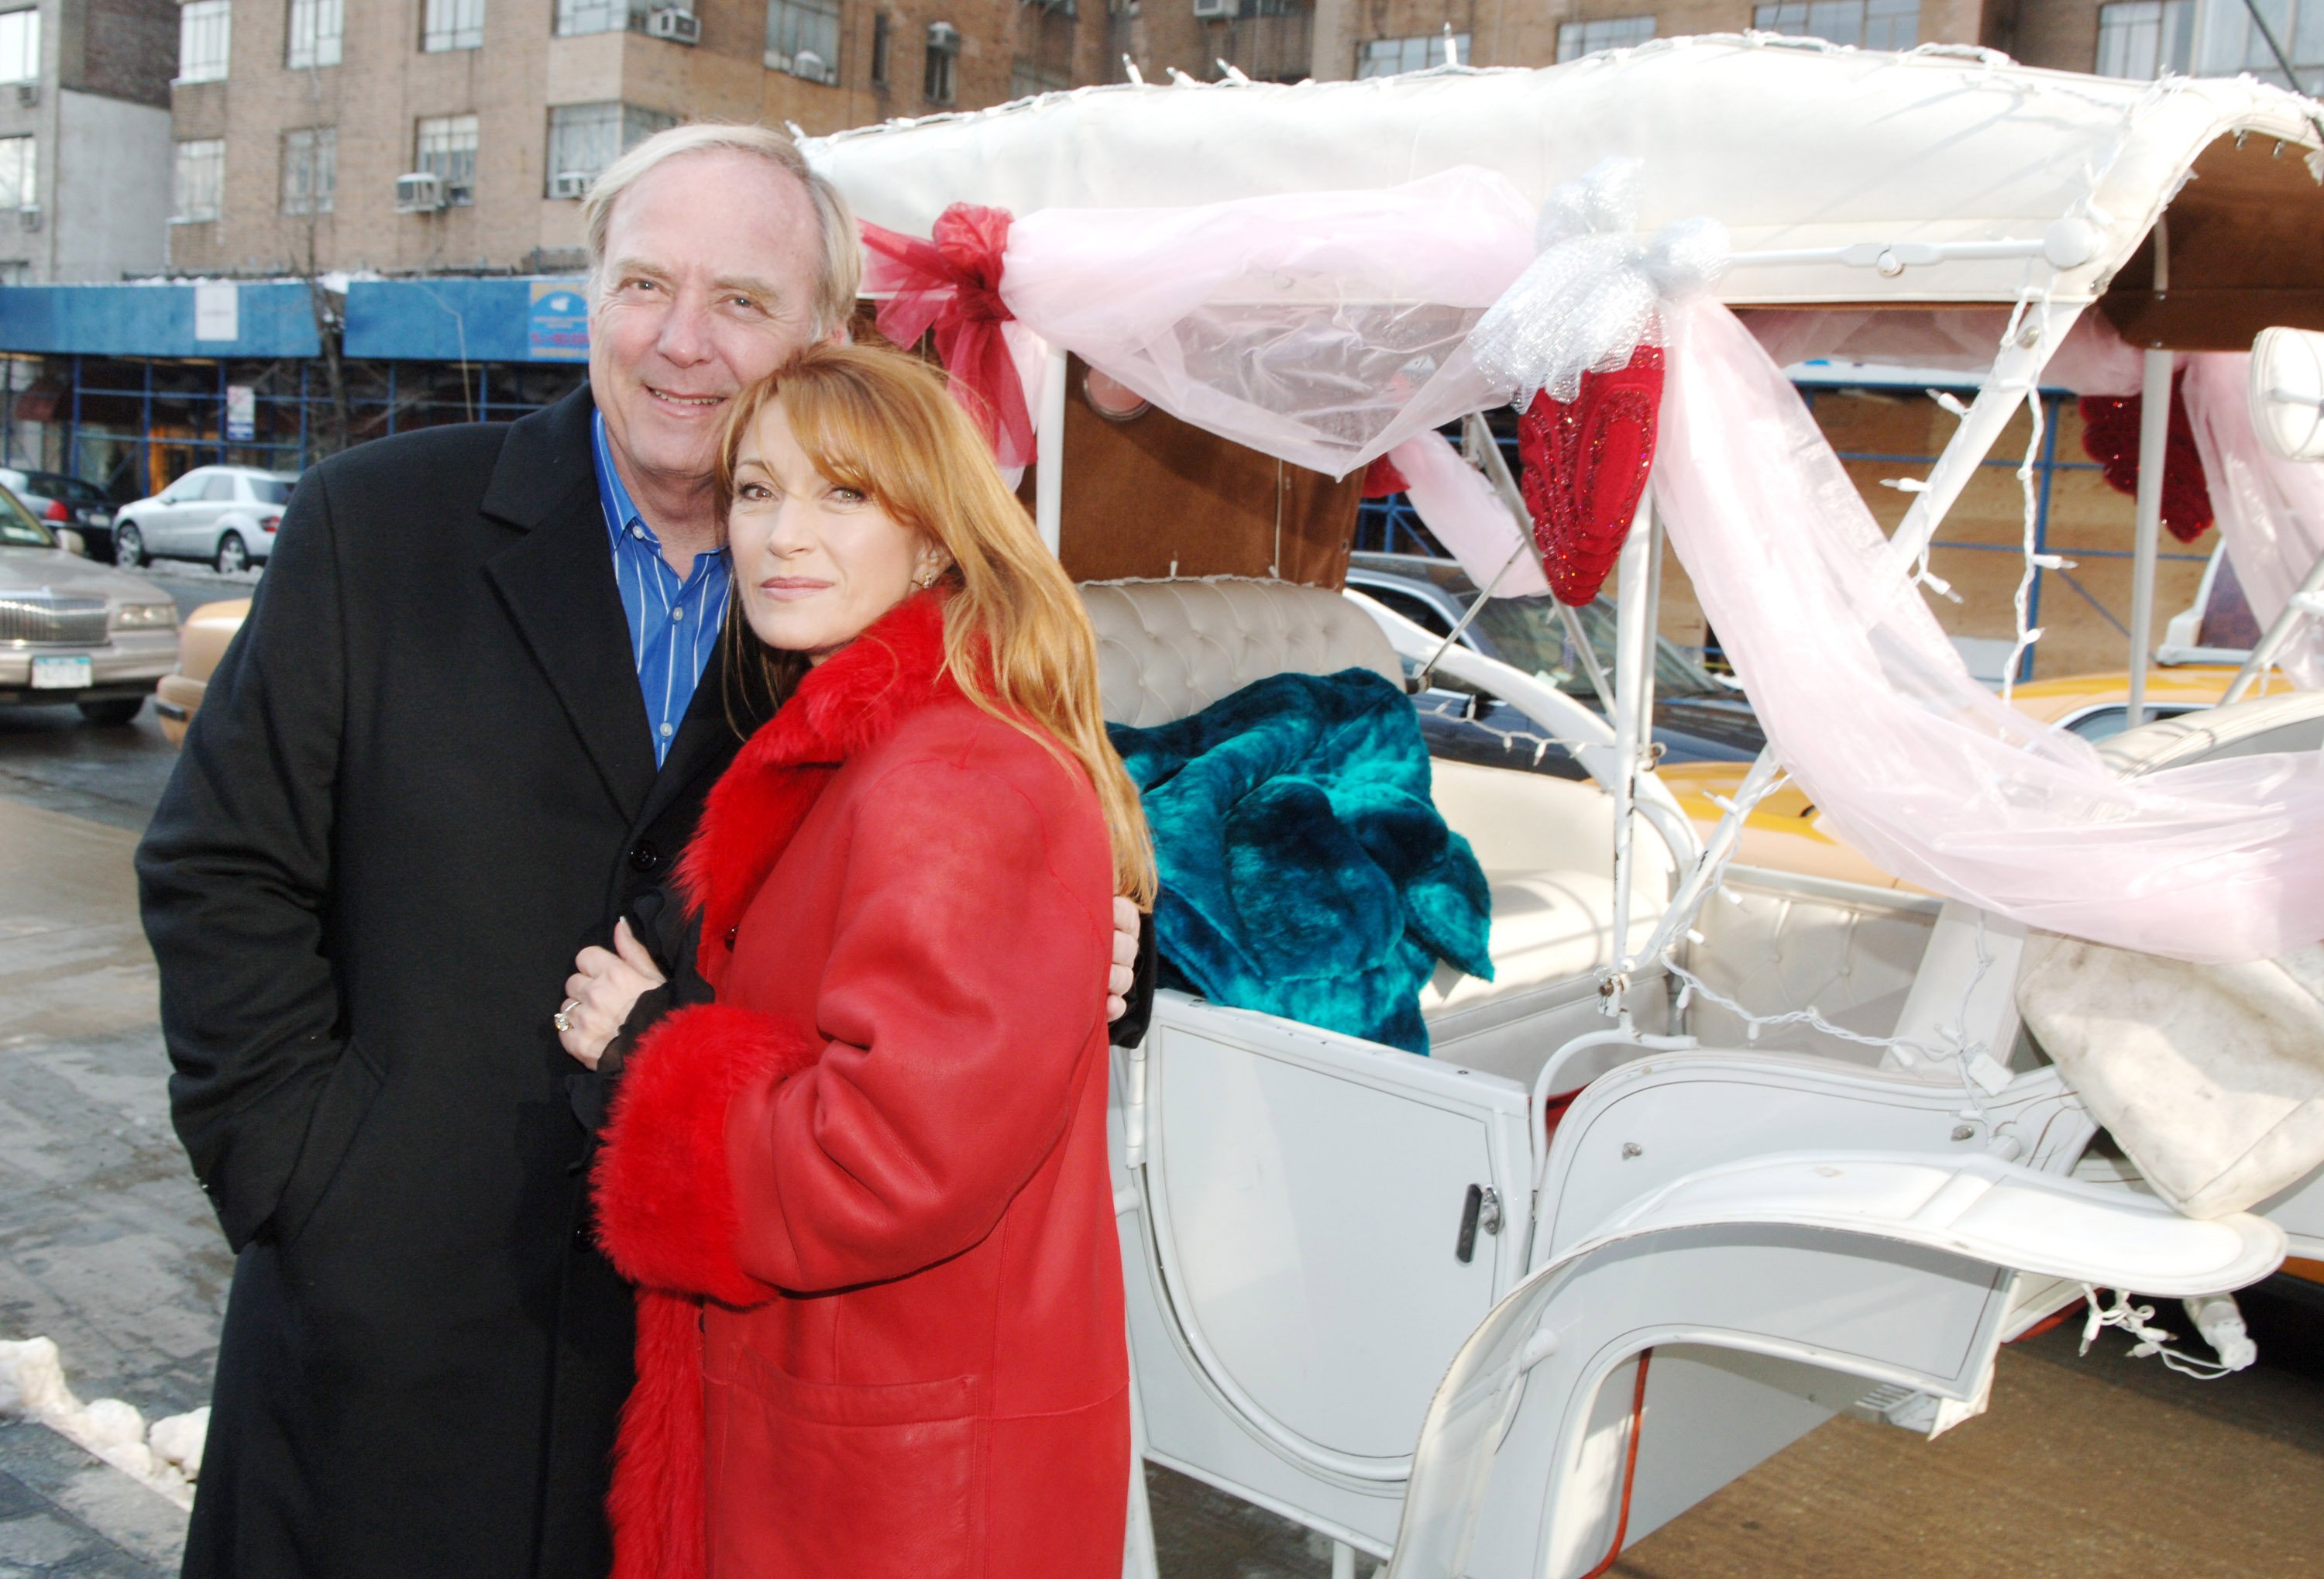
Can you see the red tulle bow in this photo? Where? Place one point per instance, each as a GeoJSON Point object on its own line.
{"type": "Point", "coordinates": [951, 283]}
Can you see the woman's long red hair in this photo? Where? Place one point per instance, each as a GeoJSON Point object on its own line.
{"type": "Point", "coordinates": [1018, 640]}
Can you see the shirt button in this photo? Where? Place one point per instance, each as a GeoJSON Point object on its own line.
{"type": "Point", "coordinates": [665, 732]}
{"type": "Point", "coordinates": [677, 614]}
{"type": "Point", "coordinates": [637, 531]}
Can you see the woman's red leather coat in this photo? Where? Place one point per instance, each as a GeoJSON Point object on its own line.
{"type": "Point", "coordinates": [865, 1195]}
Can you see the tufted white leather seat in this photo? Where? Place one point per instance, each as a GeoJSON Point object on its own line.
{"type": "Point", "coordinates": [1165, 649]}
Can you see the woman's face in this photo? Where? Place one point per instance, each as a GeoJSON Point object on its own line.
{"type": "Point", "coordinates": [815, 564]}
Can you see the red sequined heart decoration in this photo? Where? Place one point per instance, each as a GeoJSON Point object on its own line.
{"type": "Point", "coordinates": [2110, 437]}
{"type": "Point", "coordinates": [1585, 464]}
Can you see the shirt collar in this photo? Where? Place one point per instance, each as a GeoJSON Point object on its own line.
{"type": "Point", "coordinates": [621, 511]}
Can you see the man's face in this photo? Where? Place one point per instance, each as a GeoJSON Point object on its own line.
{"type": "Point", "coordinates": [707, 286]}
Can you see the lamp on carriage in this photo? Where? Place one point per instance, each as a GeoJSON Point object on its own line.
{"type": "Point", "coordinates": [2286, 392]}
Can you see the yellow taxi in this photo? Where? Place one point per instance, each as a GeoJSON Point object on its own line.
{"type": "Point", "coordinates": [1786, 833]}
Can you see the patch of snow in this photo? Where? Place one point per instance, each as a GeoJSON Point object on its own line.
{"type": "Point", "coordinates": [167, 1458]}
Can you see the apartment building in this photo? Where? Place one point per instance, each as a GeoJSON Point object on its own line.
{"type": "Point", "coordinates": [84, 107]}
{"type": "Point", "coordinates": [300, 125]}
{"type": "Point", "coordinates": [1328, 40]}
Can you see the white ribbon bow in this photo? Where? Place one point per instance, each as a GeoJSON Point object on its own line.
{"type": "Point", "coordinates": [1594, 293]}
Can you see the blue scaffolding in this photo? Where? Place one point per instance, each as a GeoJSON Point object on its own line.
{"type": "Point", "coordinates": [130, 386]}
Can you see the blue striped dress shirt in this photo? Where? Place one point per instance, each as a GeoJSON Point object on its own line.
{"type": "Point", "coordinates": [674, 620]}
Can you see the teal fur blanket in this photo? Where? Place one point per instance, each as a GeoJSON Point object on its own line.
{"type": "Point", "coordinates": [1305, 869]}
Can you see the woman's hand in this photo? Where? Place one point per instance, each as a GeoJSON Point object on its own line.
{"type": "Point", "coordinates": [605, 986]}
{"type": "Point", "coordinates": [1119, 979]}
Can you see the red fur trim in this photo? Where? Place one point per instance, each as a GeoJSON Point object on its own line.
{"type": "Point", "coordinates": [656, 1504]}
{"type": "Point", "coordinates": [666, 1212]}
{"type": "Point", "coordinates": [849, 702]}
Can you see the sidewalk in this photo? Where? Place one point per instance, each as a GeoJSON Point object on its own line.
{"type": "Point", "coordinates": [106, 1244]}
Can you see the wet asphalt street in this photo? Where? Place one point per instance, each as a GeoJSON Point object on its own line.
{"type": "Point", "coordinates": [2083, 1466]}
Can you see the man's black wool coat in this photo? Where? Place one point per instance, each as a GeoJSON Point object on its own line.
{"type": "Point", "coordinates": [420, 780]}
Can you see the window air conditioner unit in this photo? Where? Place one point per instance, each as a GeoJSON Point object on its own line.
{"type": "Point", "coordinates": [678, 26]}
{"type": "Point", "coordinates": [944, 37]}
{"type": "Point", "coordinates": [571, 184]}
{"type": "Point", "coordinates": [806, 63]}
{"type": "Point", "coordinates": [28, 94]}
{"type": "Point", "coordinates": [29, 215]}
{"type": "Point", "coordinates": [420, 192]}
{"type": "Point", "coordinates": [1208, 10]}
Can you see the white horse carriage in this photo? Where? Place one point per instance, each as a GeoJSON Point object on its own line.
{"type": "Point", "coordinates": [1718, 1153]}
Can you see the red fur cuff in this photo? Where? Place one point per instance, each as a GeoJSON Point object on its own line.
{"type": "Point", "coordinates": [666, 1212]}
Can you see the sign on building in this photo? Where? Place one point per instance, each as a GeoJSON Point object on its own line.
{"type": "Point", "coordinates": [557, 329]}
{"type": "Point", "coordinates": [240, 413]}
{"type": "Point", "coordinates": [217, 311]}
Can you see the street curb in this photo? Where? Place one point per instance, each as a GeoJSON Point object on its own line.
{"type": "Point", "coordinates": [126, 1528]}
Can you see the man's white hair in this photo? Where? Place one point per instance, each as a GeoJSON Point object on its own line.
{"type": "Point", "coordinates": [840, 266]}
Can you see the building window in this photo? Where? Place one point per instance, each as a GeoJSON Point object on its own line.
{"type": "Point", "coordinates": [316, 26]}
{"type": "Point", "coordinates": [880, 36]}
{"type": "Point", "coordinates": [2143, 39]}
{"type": "Point", "coordinates": [19, 173]}
{"type": "Point", "coordinates": [2229, 43]}
{"type": "Point", "coordinates": [20, 46]}
{"type": "Point", "coordinates": [584, 138]}
{"type": "Point", "coordinates": [1871, 24]}
{"type": "Point", "coordinates": [579, 17]}
{"type": "Point", "coordinates": [204, 30]}
{"type": "Point", "coordinates": [1577, 39]}
{"type": "Point", "coordinates": [453, 24]}
{"type": "Point", "coordinates": [803, 38]}
{"type": "Point", "coordinates": [310, 169]}
{"type": "Point", "coordinates": [201, 180]}
{"type": "Point", "coordinates": [1393, 57]}
{"type": "Point", "coordinates": [448, 151]}
{"type": "Point", "coordinates": [1045, 47]}
{"type": "Point", "coordinates": [941, 81]}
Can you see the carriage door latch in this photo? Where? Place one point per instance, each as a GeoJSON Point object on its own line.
{"type": "Point", "coordinates": [1482, 1209]}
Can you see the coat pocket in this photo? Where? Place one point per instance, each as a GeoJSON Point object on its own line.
{"type": "Point", "coordinates": [811, 1478]}
{"type": "Point", "coordinates": [340, 1109]}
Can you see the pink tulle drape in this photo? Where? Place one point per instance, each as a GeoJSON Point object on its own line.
{"type": "Point", "coordinates": [1328, 328]}
{"type": "Point", "coordinates": [1912, 761]}
{"type": "Point", "coordinates": [1462, 512]}
{"type": "Point", "coordinates": [1321, 328]}
{"type": "Point", "coordinates": [2271, 512]}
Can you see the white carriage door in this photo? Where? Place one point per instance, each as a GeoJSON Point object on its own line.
{"type": "Point", "coordinates": [1308, 1195]}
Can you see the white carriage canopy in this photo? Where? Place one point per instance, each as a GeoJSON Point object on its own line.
{"type": "Point", "coordinates": [1300, 269]}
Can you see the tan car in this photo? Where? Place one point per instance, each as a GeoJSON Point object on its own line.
{"type": "Point", "coordinates": [200, 644]}
{"type": "Point", "coordinates": [74, 632]}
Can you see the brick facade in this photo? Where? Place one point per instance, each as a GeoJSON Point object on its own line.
{"type": "Point", "coordinates": [385, 84]}
{"type": "Point", "coordinates": [123, 48]}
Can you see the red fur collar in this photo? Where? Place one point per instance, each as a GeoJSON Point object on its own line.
{"type": "Point", "coordinates": [848, 702]}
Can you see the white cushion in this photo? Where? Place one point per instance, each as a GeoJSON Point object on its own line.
{"type": "Point", "coordinates": [2209, 1077]}
{"type": "Point", "coordinates": [1165, 649]}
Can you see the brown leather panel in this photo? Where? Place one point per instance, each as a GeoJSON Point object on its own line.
{"type": "Point", "coordinates": [1154, 493]}
{"type": "Point", "coordinates": [2246, 239]}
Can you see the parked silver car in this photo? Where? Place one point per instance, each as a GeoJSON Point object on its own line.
{"type": "Point", "coordinates": [225, 515]}
{"type": "Point", "coordinates": [75, 631]}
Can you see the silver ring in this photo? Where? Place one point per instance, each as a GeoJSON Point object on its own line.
{"type": "Point", "coordinates": [560, 1018]}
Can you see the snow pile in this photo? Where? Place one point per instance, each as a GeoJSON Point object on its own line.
{"type": "Point", "coordinates": [168, 1457]}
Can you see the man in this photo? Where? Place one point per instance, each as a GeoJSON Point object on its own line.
{"type": "Point", "coordinates": [469, 723]}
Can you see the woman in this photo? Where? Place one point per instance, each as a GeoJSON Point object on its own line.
{"type": "Point", "coordinates": [865, 1194]}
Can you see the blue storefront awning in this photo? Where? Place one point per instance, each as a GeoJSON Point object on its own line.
{"type": "Point", "coordinates": [470, 320]}
{"type": "Point", "coordinates": [437, 319]}
{"type": "Point", "coordinates": [204, 318]}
